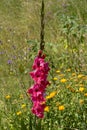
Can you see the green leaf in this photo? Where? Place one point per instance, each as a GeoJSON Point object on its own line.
{"type": "Point", "coordinates": [23, 126]}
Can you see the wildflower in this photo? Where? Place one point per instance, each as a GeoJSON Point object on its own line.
{"type": "Point", "coordinates": [19, 113]}
{"type": "Point", "coordinates": [76, 80]}
{"type": "Point", "coordinates": [81, 85]}
{"type": "Point", "coordinates": [71, 78]}
{"type": "Point", "coordinates": [21, 96]}
{"type": "Point", "coordinates": [63, 80]}
{"type": "Point", "coordinates": [48, 97]}
{"type": "Point", "coordinates": [61, 75]}
{"type": "Point", "coordinates": [57, 103]}
{"type": "Point", "coordinates": [85, 94]}
{"type": "Point", "coordinates": [23, 105]}
{"type": "Point", "coordinates": [71, 89]}
{"type": "Point", "coordinates": [55, 78]}
{"type": "Point", "coordinates": [37, 91]}
{"type": "Point", "coordinates": [8, 97]}
{"type": "Point", "coordinates": [58, 71]}
{"type": "Point", "coordinates": [51, 95]}
{"type": "Point", "coordinates": [80, 76]}
{"type": "Point", "coordinates": [81, 89]}
{"type": "Point", "coordinates": [9, 62]}
{"type": "Point", "coordinates": [1, 53]}
{"type": "Point", "coordinates": [38, 109]}
{"type": "Point", "coordinates": [81, 101]}
{"type": "Point", "coordinates": [61, 108]}
{"type": "Point", "coordinates": [84, 78]}
{"type": "Point", "coordinates": [46, 109]}
{"type": "Point", "coordinates": [68, 70]}
{"type": "Point", "coordinates": [73, 74]}
{"type": "Point", "coordinates": [9, 40]}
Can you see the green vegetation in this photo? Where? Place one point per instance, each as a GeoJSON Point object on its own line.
{"type": "Point", "coordinates": [66, 51]}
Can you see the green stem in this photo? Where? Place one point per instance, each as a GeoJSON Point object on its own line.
{"type": "Point", "coordinates": [42, 43]}
{"type": "Point", "coordinates": [30, 123]}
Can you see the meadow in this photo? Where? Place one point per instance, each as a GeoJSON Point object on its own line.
{"type": "Point", "coordinates": [66, 52]}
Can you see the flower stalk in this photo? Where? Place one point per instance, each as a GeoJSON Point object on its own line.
{"type": "Point", "coordinates": [39, 75]}
{"type": "Point", "coordinates": [42, 42]}
{"type": "Point", "coordinates": [37, 91]}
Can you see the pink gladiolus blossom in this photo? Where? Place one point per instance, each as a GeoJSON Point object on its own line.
{"type": "Point", "coordinates": [37, 91]}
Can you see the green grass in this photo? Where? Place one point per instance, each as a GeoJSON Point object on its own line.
{"type": "Point", "coordinates": [66, 51]}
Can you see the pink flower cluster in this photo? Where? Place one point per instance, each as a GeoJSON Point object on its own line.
{"type": "Point", "coordinates": [37, 91]}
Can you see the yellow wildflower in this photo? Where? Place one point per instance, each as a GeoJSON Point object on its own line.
{"type": "Point", "coordinates": [71, 89]}
{"type": "Point", "coordinates": [68, 70]}
{"type": "Point", "coordinates": [71, 78]}
{"type": "Point", "coordinates": [61, 108]}
{"type": "Point", "coordinates": [48, 97]}
{"type": "Point", "coordinates": [58, 71]}
{"type": "Point", "coordinates": [63, 80]}
{"type": "Point", "coordinates": [55, 78]}
{"type": "Point", "coordinates": [81, 101]}
{"type": "Point", "coordinates": [81, 85]}
{"type": "Point", "coordinates": [73, 74]}
{"type": "Point", "coordinates": [81, 89]}
{"type": "Point", "coordinates": [76, 80]}
{"type": "Point", "coordinates": [51, 95]}
{"type": "Point", "coordinates": [23, 105]}
{"type": "Point", "coordinates": [8, 97]}
{"type": "Point", "coordinates": [21, 96]}
{"type": "Point", "coordinates": [85, 94]}
{"type": "Point", "coordinates": [80, 75]}
{"type": "Point", "coordinates": [61, 75]}
{"type": "Point", "coordinates": [46, 109]}
{"type": "Point", "coordinates": [57, 103]}
{"type": "Point", "coordinates": [84, 78]}
{"type": "Point", "coordinates": [19, 113]}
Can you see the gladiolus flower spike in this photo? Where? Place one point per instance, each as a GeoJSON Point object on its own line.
{"type": "Point", "coordinates": [37, 91]}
